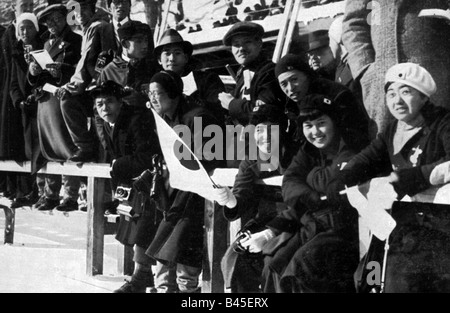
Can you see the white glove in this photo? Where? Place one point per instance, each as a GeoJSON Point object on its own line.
{"type": "Point", "coordinates": [224, 196]}
{"type": "Point", "coordinates": [257, 241]}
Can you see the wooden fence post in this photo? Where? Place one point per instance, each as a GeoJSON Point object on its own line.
{"type": "Point", "coordinates": [125, 263]}
{"type": "Point", "coordinates": [216, 245]}
{"type": "Point", "coordinates": [96, 226]}
{"type": "Point", "coordinates": [10, 220]}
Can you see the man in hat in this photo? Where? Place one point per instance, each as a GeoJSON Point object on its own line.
{"type": "Point", "coordinates": [64, 47]}
{"type": "Point", "coordinates": [98, 36]}
{"type": "Point", "coordinates": [297, 80]}
{"type": "Point", "coordinates": [130, 68]}
{"type": "Point", "coordinates": [256, 83]}
{"type": "Point", "coordinates": [131, 143]}
{"type": "Point", "coordinates": [173, 54]}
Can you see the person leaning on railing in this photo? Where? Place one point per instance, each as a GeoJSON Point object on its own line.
{"type": "Point", "coordinates": [405, 154]}
{"type": "Point", "coordinates": [131, 143]}
{"type": "Point", "coordinates": [253, 203]}
{"type": "Point", "coordinates": [313, 245]}
{"type": "Point", "coordinates": [64, 47]}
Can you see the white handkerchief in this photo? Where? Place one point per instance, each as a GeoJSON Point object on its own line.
{"type": "Point", "coordinates": [190, 86]}
{"type": "Point", "coordinates": [248, 76]}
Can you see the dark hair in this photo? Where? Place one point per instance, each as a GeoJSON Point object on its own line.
{"type": "Point", "coordinates": [271, 114]}
{"type": "Point", "coordinates": [170, 81]}
{"type": "Point", "coordinates": [313, 114]}
{"type": "Point", "coordinates": [310, 115]}
{"type": "Point", "coordinates": [267, 113]}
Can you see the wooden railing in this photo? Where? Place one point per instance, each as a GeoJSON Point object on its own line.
{"type": "Point", "coordinates": [218, 232]}
{"type": "Point", "coordinates": [96, 175]}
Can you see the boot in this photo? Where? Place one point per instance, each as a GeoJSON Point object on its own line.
{"type": "Point", "coordinates": [141, 279]}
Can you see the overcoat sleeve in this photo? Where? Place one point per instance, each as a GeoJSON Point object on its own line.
{"type": "Point", "coordinates": [144, 145]}
{"type": "Point", "coordinates": [356, 35]}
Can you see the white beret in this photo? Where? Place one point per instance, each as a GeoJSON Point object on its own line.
{"type": "Point", "coordinates": [413, 75]}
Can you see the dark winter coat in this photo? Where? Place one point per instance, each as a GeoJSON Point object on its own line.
{"type": "Point", "coordinates": [11, 139]}
{"type": "Point", "coordinates": [131, 74]}
{"type": "Point", "coordinates": [264, 88]}
{"type": "Point", "coordinates": [209, 86]}
{"type": "Point", "coordinates": [132, 143]}
{"type": "Point", "coordinates": [66, 49]}
{"type": "Point", "coordinates": [312, 232]}
{"type": "Point", "coordinates": [353, 119]}
{"type": "Point", "coordinates": [257, 204]}
{"type": "Point", "coordinates": [415, 162]}
{"type": "Point", "coordinates": [418, 253]}
{"type": "Point", "coordinates": [55, 141]}
{"type": "Point", "coordinates": [20, 90]}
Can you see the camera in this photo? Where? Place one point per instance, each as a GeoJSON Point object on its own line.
{"type": "Point", "coordinates": [242, 236]}
{"type": "Point", "coordinates": [144, 182]}
{"type": "Point", "coordinates": [122, 193]}
{"type": "Point", "coordinates": [125, 196]}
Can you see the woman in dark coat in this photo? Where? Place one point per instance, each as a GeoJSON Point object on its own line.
{"type": "Point", "coordinates": [406, 153]}
{"type": "Point", "coordinates": [64, 47]}
{"type": "Point", "coordinates": [178, 243]}
{"type": "Point", "coordinates": [316, 247]}
{"type": "Point", "coordinates": [253, 203]}
{"type": "Point", "coordinates": [20, 90]}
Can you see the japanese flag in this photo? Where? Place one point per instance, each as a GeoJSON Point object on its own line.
{"type": "Point", "coordinates": [184, 174]}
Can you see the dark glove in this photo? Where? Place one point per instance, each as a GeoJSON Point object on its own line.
{"type": "Point", "coordinates": [334, 188]}
{"type": "Point", "coordinates": [410, 182]}
{"type": "Point", "coordinates": [144, 182]}
{"type": "Point", "coordinates": [61, 93]}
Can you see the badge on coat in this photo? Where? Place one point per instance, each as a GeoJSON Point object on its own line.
{"type": "Point", "coordinates": [414, 159]}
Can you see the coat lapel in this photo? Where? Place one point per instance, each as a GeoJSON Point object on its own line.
{"type": "Point", "coordinates": [58, 46]}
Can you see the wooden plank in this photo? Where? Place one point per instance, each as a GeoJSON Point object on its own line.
{"type": "Point", "coordinates": [290, 28]}
{"type": "Point", "coordinates": [282, 33]}
{"type": "Point", "coordinates": [125, 263]}
{"type": "Point", "coordinates": [96, 226]}
{"type": "Point", "coordinates": [216, 246]}
{"type": "Point", "coordinates": [226, 177]}
{"type": "Point", "coordinates": [100, 170]}
{"type": "Point", "coordinates": [128, 263]}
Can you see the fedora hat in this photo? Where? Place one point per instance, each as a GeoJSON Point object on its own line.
{"type": "Point", "coordinates": [169, 37]}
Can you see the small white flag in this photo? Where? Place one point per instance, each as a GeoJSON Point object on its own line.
{"type": "Point", "coordinates": [373, 205]}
